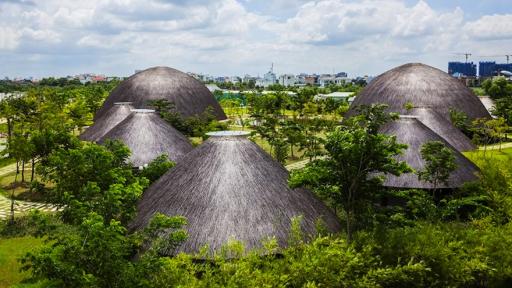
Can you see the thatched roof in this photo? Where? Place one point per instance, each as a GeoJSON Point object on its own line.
{"type": "Point", "coordinates": [424, 87]}
{"type": "Point", "coordinates": [190, 96]}
{"type": "Point", "coordinates": [149, 136]}
{"type": "Point", "coordinates": [443, 128]}
{"type": "Point", "coordinates": [229, 188]}
{"type": "Point", "coordinates": [409, 130]}
{"type": "Point", "coordinates": [117, 113]}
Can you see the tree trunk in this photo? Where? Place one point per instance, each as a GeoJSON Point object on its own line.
{"type": "Point", "coordinates": [23, 171]}
{"type": "Point", "coordinates": [9, 132]}
{"type": "Point", "coordinates": [349, 227]}
{"type": "Point", "coordinates": [349, 215]}
{"type": "Point", "coordinates": [17, 167]}
{"type": "Point", "coordinates": [11, 221]}
{"type": "Point", "coordinates": [32, 170]}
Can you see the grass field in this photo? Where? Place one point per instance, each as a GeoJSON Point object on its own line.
{"type": "Point", "coordinates": [504, 155]}
{"type": "Point", "coordinates": [10, 250]}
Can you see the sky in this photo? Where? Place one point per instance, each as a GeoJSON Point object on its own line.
{"type": "Point", "coordinates": [42, 38]}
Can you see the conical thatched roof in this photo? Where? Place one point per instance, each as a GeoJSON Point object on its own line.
{"type": "Point", "coordinates": [149, 136]}
{"type": "Point", "coordinates": [229, 188]}
{"type": "Point", "coordinates": [409, 130]}
{"type": "Point", "coordinates": [443, 128]}
{"type": "Point", "coordinates": [423, 87]}
{"type": "Point", "coordinates": [102, 125]}
{"type": "Point", "coordinates": [189, 95]}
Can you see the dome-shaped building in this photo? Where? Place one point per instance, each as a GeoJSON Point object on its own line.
{"type": "Point", "coordinates": [190, 96]}
{"type": "Point", "coordinates": [229, 188]}
{"type": "Point", "coordinates": [148, 136]}
{"type": "Point", "coordinates": [411, 131]}
{"type": "Point", "coordinates": [427, 92]}
{"type": "Point", "coordinates": [117, 113]}
{"type": "Point", "coordinates": [422, 86]}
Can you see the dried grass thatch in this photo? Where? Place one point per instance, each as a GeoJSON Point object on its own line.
{"type": "Point", "coordinates": [148, 136]}
{"type": "Point", "coordinates": [423, 87]}
{"type": "Point", "coordinates": [409, 130]}
{"type": "Point", "coordinates": [443, 128]}
{"type": "Point", "coordinates": [102, 125]}
{"type": "Point", "coordinates": [229, 188]}
{"type": "Point", "coordinates": [190, 96]}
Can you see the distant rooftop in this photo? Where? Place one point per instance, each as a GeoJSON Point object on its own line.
{"type": "Point", "coordinates": [228, 133]}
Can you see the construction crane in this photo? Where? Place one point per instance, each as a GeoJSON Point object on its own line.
{"type": "Point", "coordinates": [465, 54]}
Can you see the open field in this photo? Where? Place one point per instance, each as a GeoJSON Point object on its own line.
{"type": "Point", "coordinates": [504, 155]}
{"type": "Point", "coordinates": [10, 250]}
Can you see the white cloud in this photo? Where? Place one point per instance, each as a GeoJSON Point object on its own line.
{"type": "Point", "coordinates": [9, 38]}
{"type": "Point", "coordinates": [231, 36]}
{"type": "Point", "coordinates": [490, 27]}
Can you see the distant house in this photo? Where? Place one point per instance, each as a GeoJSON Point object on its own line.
{"type": "Point", "coordinates": [340, 96]}
{"type": "Point", "coordinates": [311, 79]}
{"type": "Point", "coordinates": [287, 80]}
{"type": "Point", "coordinates": [326, 79]}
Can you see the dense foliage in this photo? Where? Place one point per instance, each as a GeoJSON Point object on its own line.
{"type": "Point", "coordinates": [194, 126]}
{"type": "Point", "coordinates": [397, 238]}
{"type": "Point", "coordinates": [500, 90]}
{"type": "Point", "coordinates": [357, 157]}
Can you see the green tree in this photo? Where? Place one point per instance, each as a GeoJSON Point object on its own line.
{"type": "Point", "coordinates": [503, 109]}
{"type": "Point", "coordinates": [500, 90]}
{"type": "Point", "coordinates": [356, 154]}
{"type": "Point", "coordinates": [99, 253]}
{"type": "Point", "coordinates": [93, 178]}
{"type": "Point", "coordinates": [292, 130]}
{"type": "Point", "coordinates": [439, 164]}
{"type": "Point", "coordinates": [157, 168]}
{"type": "Point", "coordinates": [497, 88]}
{"type": "Point", "coordinates": [460, 120]}
{"type": "Point", "coordinates": [497, 128]}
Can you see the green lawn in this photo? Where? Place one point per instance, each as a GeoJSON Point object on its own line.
{"type": "Point", "coordinates": [10, 250]}
{"type": "Point", "coordinates": [504, 155]}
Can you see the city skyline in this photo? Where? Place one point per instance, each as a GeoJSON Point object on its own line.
{"type": "Point", "coordinates": [229, 37]}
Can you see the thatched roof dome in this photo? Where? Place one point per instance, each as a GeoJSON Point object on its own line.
{"type": "Point", "coordinates": [229, 188]}
{"type": "Point", "coordinates": [190, 96]}
{"type": "Point", "coordinates": [149, 136]}
{"type": "Point", "coordinates": [424, 87]}
{"type": "Point", "coordinates": [444, 128]}
{"type": "Point", "coordinates": [117, 113]}
{"type": "Point", "coordinates": [409, 130]}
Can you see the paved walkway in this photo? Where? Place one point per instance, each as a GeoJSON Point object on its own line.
{"type": "Point", "coordinates": [7, 169]}
{"type": "Point", "coordinates": [20, 207]}
{"type": "Point", "coordinates": [297, 165]}
{"type": "Point", "coordinates": [300, 164]}
{"type": "Point", "coordinates": [496, 146]}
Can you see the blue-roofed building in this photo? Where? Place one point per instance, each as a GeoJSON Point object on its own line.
{"type": "Point", "coordinates": [461, 68]}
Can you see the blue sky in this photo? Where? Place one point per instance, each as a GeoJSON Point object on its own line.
{"type": "Point", "coordinates": [234, 37]}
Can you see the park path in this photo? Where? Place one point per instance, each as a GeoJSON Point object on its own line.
{"type": "Point", "coordinates": [496, 146]}
{"type": "Point", "coordinates": [297, 165]}
{"type": "Point", "coordinates": [20, 207]}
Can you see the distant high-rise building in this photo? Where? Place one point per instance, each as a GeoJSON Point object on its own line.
{"type": "Point", "coordinates": [486, 69]}
{"type": "Point", "coordinates": [504, 67]}
{"type": "Point", "coordinates": [461, 68]}
{"type": "Point", "coordinates": [489, 69]}
{"type": "Point", "coordinates": [269, 78]}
